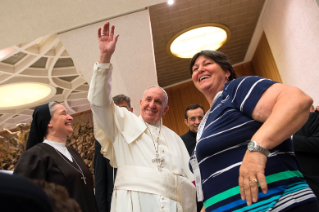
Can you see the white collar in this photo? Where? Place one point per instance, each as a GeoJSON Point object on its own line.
{"type": "Point", "coordinates": [157, 124]}
{"type": "Point", "coordinates": [54, 144]}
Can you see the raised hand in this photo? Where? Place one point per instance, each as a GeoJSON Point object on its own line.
{"type": "Point", "coordinates": [107, 42]}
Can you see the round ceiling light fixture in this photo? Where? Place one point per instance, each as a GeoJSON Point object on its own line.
{"type": "Point", "coordinates": [19, 95]}
{"type": "Point", "coordinates": [170, 2]}
{"type": "Point", "coordinates": [188, 42]}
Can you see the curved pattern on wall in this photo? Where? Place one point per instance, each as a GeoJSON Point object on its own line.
{"type": "Point", "coordinates": [46, 61]}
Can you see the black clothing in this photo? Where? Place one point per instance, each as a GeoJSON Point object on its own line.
{"type": "Point", "coordinates": [189, 139]}
{"type": "Point", "coordinates": [306, 145]}
{"type": "Point", "coordinates": [20, 194]}
{"type": "Point", "coordinates": [41, 118]}
{"type": "Point", "coordinates": [103, 172]}
{"type": "Point", "coordinates": [309, 206]}
{"type": "Point", "coordinates": [44, 163]}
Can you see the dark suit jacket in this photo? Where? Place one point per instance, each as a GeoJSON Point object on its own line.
{"type": "Point", "coordinates": [103, 172]}
{"type": "Point", "coordinates": [306, 145]}
{"type": "Point", "coordinates": [189, 139]}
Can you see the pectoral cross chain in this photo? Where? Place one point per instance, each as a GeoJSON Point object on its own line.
{"type": "Point", "coordinates": [159, 161]}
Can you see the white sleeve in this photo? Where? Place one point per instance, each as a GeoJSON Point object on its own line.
{"type": "Point", "coordinates": [101, 102]}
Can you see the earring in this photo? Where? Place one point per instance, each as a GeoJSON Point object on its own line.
{"type": "Point", "coordinates": [227, 78]}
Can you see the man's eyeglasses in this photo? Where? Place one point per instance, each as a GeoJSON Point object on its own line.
{"type": "Point", "coordinates": [194, 118]}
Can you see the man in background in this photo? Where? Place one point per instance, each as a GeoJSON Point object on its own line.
{"type": "Point", "coordinates": [193, 116]}
{"type": "Point", "coordinates": [306, 146]}
{"type": "Point", "coordinates": [103, 171]}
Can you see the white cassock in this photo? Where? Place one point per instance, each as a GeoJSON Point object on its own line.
{"type": "Point", "coordinates": [130, 144]}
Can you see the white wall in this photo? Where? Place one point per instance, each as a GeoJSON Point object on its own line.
{"type": "Point", "coordinates": [133, 61]}
{"type": "Point", "coordinates": [23, 21]}
{"type": "Point", "coordinates": [292, 30]}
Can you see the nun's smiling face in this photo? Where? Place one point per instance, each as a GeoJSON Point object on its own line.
{"type": "Point", "coordinates": [60, 122]}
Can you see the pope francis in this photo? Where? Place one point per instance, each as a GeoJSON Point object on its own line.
{"type": "Point", "coordinates": [152, 160]}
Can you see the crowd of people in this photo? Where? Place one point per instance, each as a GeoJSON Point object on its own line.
{"type": "Point", "coordinates": [256, 148]}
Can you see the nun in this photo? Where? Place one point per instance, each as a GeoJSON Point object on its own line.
{"type": "Point", "coordinates": [48, 158]}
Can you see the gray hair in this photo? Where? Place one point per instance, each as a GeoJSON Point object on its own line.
{"type": "Point", "coordinates": [120, 98]}
{"type": "Point", "coordinates": [51, 108]}
{"type": "Point", "coordinates": [156, 86]}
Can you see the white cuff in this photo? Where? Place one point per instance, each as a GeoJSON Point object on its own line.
{"type": "Point", "coordinates": [103, 65]}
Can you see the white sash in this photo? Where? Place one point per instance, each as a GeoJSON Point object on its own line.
{"type": "Point", "coordinates": [147, 180]}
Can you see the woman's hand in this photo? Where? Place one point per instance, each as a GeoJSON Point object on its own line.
{"type": "Point", "coordinates": [252, 173]}
{"type": "Point", "coordinates": [107, 42]}
{"type": "Point", "coordinates": [203, 209]}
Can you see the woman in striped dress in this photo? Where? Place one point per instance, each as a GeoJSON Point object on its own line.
{"type": "Point", "coordinates": [244, 159]}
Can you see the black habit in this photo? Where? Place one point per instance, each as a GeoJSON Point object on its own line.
{"type": "Point", "coordinates": [44, 163]}
{"type": "Point", "coordinates": [306, 145]}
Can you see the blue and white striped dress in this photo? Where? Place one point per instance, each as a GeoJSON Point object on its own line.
{"type": "Point", "coordinates": [223, 143]}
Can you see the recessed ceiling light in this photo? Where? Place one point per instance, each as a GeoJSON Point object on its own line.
{"type": "Point", "coordinates": [24, 94]}
{"type": "Point", "coordinates": [170, 2]}
{"type": "Point", "coordinates": [5, 52]}
{"type": "Point", "coordinates": [200, 37]}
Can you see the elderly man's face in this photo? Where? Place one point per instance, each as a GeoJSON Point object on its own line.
{"type": "Point", "coordinates": [153, 105]}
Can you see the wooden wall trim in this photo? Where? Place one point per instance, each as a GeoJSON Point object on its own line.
{"type": "Point", "coordinates": [263, 61]}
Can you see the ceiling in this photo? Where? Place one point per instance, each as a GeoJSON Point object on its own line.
{"type": "Point", "coordinates": [46, 60]}
{"type": "Point", "coordinates": [240, 16]}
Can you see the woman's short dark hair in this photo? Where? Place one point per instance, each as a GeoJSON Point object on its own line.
{"type": "Point", "coordinates": [220, 58]}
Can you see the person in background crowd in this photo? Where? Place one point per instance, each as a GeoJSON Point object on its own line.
{"type": "Point", "coordinates": [194, 114]}
{"type": "Point", "coordinates": [59, 197]}
{"type": "Point", "coordinates": [20, 194]}
{"type": "Point", "coordinates": [306, 146]}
